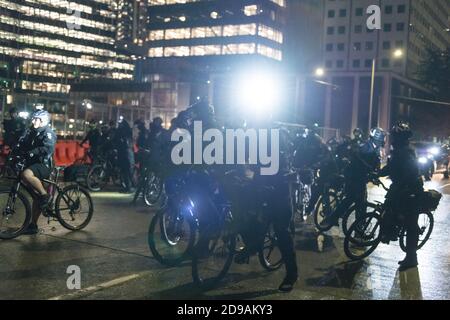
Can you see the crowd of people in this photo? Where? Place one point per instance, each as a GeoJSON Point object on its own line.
{"type": "Point", "coordinates": [357, 160]}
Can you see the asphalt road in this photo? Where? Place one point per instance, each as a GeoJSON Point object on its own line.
{"type": "Point", "coordinates": [115, 263]}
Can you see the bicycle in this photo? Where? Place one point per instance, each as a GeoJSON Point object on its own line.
{"type": "Point", "coordinates": [175, 229]}
{"type": "Point", "coordinates": [332, 198]}
{"type": "Point", "coordinates": [150, 185]}
{"type": "Point", "coordinates": [219, 241]}
{"type": "Point", "coordinates": [365, 234]}
{"type": "Point", "coordinates": [71, 205]}
{"type": "Point", "coordinates": [104, 170]}
{"type": "Point", "coordinates": [300, 191]}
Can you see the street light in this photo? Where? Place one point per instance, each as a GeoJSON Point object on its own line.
{"type": "Point", "coordinates": [398, 53]}
{"type": "Point", "coordinates": [320, 72]}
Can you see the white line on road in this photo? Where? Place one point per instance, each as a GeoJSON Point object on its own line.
{"type": "Point", "coordinates": [445, 185]}
{"type": "Point", "coordinates": [92, 289]}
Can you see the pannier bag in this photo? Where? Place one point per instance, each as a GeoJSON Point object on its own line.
{"type": "Point", "coordinates": [76, 173]}
{"type": "Point", "coordinates": [430, 200]}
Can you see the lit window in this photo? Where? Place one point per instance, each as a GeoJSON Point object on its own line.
{"type": "Point", "coordinates": [206, 50]}
{"type": "Point", "coordinates": [176, 51]}
{"type": "Point", "coordinates": [269, 52]}
{"type": "Point", "coordinates": [239, 30]}
{"type": "Point", "coordinates": [156, 52]}
{"type": "Point", "coordinates": [270, 33]}
{"type": "Point", "coordinates": [251, 10]}
{"type": "Point", "coordinates": [183, 33]}
{"type": "Point", "coordinates": [281, 3]}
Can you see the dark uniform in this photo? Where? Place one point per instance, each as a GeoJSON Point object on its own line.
{"type": "Point", "coordinates": [124, 143]}
{"type": "Point", "coordinates": [37, 147]}
{"type": "Point", "coordinates": [93, 137]}
{"type": "Point", "coordinates": [406, 186]}
{"type": "Point", "coordinates": [364, 160]}
{"type": "Point", "coordinates": [279, 206]}
{"type": "Point", "coordinates": [313, 154]}
{"type": "Point", "coordinates": [276, 195]}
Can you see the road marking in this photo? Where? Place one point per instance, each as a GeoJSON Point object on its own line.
{"type": "Point", "coordinates": [92, 289]}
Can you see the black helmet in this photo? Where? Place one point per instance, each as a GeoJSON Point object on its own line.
{"type": "Point", "coordinates": [157, 122]}
{"type": "Point", "coordinates": [401, 133]}
{"type": "Point", "coordinates": [358, 133]}
{"type": "Point", "coordinates": [43, 115]}
{"type": "Point", "coordinates": [203, 108]}
{"type": "Point", "coordinates": [377, 136]}
{"type": "Point", "coordinates": [13, 110]}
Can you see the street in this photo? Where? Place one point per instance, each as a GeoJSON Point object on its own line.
{"type": "Point", "coordinates": [116, 263]}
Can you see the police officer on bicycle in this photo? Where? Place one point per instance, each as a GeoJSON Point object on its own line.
{"type": "Point", "coordinates": [402, 197]}
{"type": "Point", "coordinates": [36, 147]}
{"type": "Point", "coordinates": [364, 159]}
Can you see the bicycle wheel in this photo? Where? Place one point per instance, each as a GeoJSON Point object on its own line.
{"type": "Point", "coordinates": [323, 209]}
{"type": "Point", "coordinates": [212, 257]}
{"type": "Point", "coordinates": [425, 223]}
{"type": "Point", "coordinates": [270, 255]}
{"type": "Point", "coordinates": [171, 237]}
{"type": "Point", "coordinates": [74, 207]}
{"type": "Point", "coordinates": [363, 237]}
{"type": "Point", "coordinates": [15, 215]}
{"type": "Point", "coordinates": [350, 216]}
{"type": "Point", "coordinates": [97, 178]}
{"type": "Point", "coordinates": [152, 190]}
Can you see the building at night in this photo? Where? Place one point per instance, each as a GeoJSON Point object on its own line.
{"type": "Point", "coordinates": [215, 28]}
{"type": "Point", "coordinates": [46, 46]}
{"type": "Point", "coordinates": [199, 42]}
{"type": "Point", "coordinates": [132, 101]}
{"type": "Point", "coordinates": [350, 49]}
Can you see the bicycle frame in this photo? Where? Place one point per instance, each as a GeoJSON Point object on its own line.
{"type": "Point", "coordinates": [55, 189]}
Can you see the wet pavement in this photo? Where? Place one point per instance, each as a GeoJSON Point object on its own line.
{"type": "Point", "coordinates": [115, 263]}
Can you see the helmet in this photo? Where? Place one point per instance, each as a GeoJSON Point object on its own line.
{"type": "Point", "coordinates": [357, 133]}
{"type": "Point", "coordinates": [313, 128]}
{"type": "Point", "coordinates": [157, 121]}
{"type": "Point", "coordinates": [401, 133]}
{"type": "Point", "coordinates": [13, 110]}
{"type": "Point", "coordinates": [377, 136]}
{"type": "Point", "coordinates": [203, 108]}
{"type": "Point", "coordinates": [43, 115]}
{"type": "Point", "coordinates": [140, 124]}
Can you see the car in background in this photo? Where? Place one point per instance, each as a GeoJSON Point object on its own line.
{"type": "Point", "coordinates": [431, 156]}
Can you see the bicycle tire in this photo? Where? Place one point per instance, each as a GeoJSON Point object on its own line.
{"type": "Point", "coordinates": [420, 243]}
{"type": "Point", "coordinates": [150, 199]}
{"type": "Point", "coordinates": [26, 220]}
{"type": "Point", "coordinates": [345, 218]}
{"type": "Point", "coordinates": [227, 242]}
{"type": "Point", "coordinates": [372, 244]}
{"type": "Point", "coordinates": [271, 243]}
{"type": "Point", "coordinates": [162, 257]}
{"type": "Point", "coordinates": [72, 207]}
{"type": "Point", "coordinates": [92, 186]}
{"type": "Point", "coordinates": [317, 213]}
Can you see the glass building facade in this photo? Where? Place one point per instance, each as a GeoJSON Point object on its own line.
{"type": "Point", "coordinates": [182, 28]}
{"type": "Point", "coordinates": [47, 45]}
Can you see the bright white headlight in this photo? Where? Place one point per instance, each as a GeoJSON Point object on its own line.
{"type": "Point", "coordinates": [423, 160]}
{"type": "Point", "coordinates": [434, 150]}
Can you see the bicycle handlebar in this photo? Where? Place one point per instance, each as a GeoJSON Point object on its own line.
{"type": "Point", "coordinates": [378, 182]}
